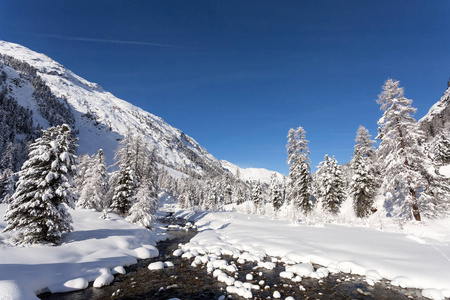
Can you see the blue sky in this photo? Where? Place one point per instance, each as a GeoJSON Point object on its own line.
{"type": "Point", "coordinates": [236, 75]}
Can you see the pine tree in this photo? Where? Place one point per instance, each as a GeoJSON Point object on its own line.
{"type": "Point", "coordinates": [363, 182]}
{"type": "Point", "coordinates": [257, 196]}
{"type": "Point", "coordinates": [440, 150]}
{"type": "Point", "coordinates": [143, 211]}
{"type": "Point", "coordinates": [275, 192]}
{"type": "Point", "coordinates": [239, 195]}
{"type": "Point", "coordinates": [403, 162]}
{"type": "Point", "coordinates": [125, 179]}
{"type": "Point", "coordinates": [95, 185]}
{"type": "Point", "coordinates": [6, 185]}
{"type": "Point", "coordinates": [299, 182]}
{"type": "Point", "coordinates": [83, 163]}
{"type": "Point", "coordinates": [330, 185]}
{"type": "Point", "coordinates": [211, 196]}
{"type": "Point", "coordinates": [37, 210]}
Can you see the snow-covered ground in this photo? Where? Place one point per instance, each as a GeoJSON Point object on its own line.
{"type": "Point", "coordinates": [416, 255]}
{"type": "Point", "coordinates": [96, 249]}
{"type": "Point", "coordinates": [407, 260]}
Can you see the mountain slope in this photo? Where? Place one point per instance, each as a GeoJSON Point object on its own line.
{"type": "Point", "coordinates": [438, 117]}
{"type": "Point", "coordinates": [100, 118]}
{"type": "Point", "coordinates": [251, 174]}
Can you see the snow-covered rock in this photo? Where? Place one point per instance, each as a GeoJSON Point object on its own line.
{"type": "Point", "coordinates": [158, 265]}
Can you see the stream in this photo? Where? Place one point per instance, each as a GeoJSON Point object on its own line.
{"type": "Point", "coordinates": [186, 282]}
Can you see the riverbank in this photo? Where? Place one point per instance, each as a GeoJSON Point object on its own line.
{"type": "Point", "coordinates": [405, 260]}
{"type": "Point", "coordinates": [96, 249]}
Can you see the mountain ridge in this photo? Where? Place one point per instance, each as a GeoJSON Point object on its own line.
{"type": "Point", "coordinates": [102, 119]}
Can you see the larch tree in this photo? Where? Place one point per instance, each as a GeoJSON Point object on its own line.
{"type": "Point", "coordinates": [95, 184]}
{"type": "Point", "coordinates": [299, 179]}
{"type": "Point", "coordinates": [363, 182]}
{"type": "Point", "coordinates": [405, 167]}
{"type": "Point", "coordinates": [44, 189]}
{"type": "Point", "coordinates": [143, 211]}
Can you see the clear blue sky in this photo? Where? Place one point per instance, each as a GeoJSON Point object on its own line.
{"type": "Point", "coordinates": [236, 75]}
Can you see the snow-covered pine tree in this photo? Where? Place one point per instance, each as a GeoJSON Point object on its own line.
{"type": "Point", "coordinates": [83, 164]}
{"type": "Point", "coordinates": [275, 192]}
{"type": "Point", "coordinates": [440, 149]}
{"type": "Point", "coordinates": [363, 182]}
{"type": "Point", "coordinates": [124, 179]}
{"type": "Point", "coordinates": [299, 181]}
{"type": "Point", "coordinates": [405, 167]}
{"type": "Point", "coordinates": [45, 186]}
{"type": "Point", "coordinates": [257, 196]}
{"type": "Point", "coordinates": [228, 190]}
{"type": "Point", "coordinates": [6, 185]}
{"type": "Point", "coordinates": [143, 211]}
{"type": "Point", "coordinates": [330, 185]}
{"type": "Point", "coordinates": [95, 185]}
{"type": "Point", "coordinates": [211, 195]}
{"type": "Point", "coordinates": [239, 194]}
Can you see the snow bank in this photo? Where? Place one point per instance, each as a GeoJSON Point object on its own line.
{"type": "Point", "coordinates": [95, 249]}
{"type": "Point", "coordinates": [419, 262]}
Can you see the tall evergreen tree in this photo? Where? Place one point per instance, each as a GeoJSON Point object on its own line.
{"type": "Point", "coordinates": [257, 196]}
{"type": "Point", "coordinates": [95, 185]}
{"type": "Point", "coordinates": [403, 163]}
{"type": "Point", "coordinates": [299, 181]}
{"type": "Point", "coordinates": [330, 185]}
{"type": "Point", "coordinates": [37, 210]}
{"type": "Point", "coordinates": [363, 182]}
{"type": "Point", "coordinates": [440, 149]}
{"type": "Point", "coordinates": [275, 192]}
{"type": "Point", "coordinates": [6, 185]}
{"type": "Point", "coordinates": [143, 211]}
{"type": "Point", "coordinates": [124, 179]}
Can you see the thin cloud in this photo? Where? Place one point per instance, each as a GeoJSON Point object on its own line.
{"type": "Point", "coordinates": [123, 42]}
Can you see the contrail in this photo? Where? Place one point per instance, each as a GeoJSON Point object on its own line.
{"type": "Point", "coordinates": [95, 40]}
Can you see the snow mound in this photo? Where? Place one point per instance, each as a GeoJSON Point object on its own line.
{"type": "Point", "coordinates": [146, 252]}
{"type": "Point", "coordinates": [118, 270]}
{"type": "Point", "coordinates": [69, 286]}
{"type": "Point", "coordinates": [156, 265]}
{"type": "Point", "coordinates": [432, 294]}
{"type": "Point", "coordinates": [11, 290]}
{"type": "Point", "coordinates": [102, 280]}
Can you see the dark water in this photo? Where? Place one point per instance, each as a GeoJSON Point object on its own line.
{"type": "Point", "coordinates": [186, 282]}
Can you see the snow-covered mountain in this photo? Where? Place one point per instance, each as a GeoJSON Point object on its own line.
{"type": "Point", "coordinates": [251, 174]}
{"type": "Point", "coordinates": [54, 94]}
{"type": "Point", "coordinates": [438, 117]}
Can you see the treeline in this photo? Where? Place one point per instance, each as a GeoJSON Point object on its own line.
{"type": "Point", "coordinates": [404, 170]}
{"type": "Point", "coordinates": [52, 176]}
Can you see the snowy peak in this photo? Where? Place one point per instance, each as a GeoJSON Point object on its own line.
{"type": "Point", "coordinates": [438, 117]}
{"type": "Point", "coordinates": [101, 119]}
{"type": "Point", "coordinates": [251, 174]}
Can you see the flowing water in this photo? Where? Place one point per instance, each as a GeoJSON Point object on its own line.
{"type": "Point", "coordinates": [186, 282]}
